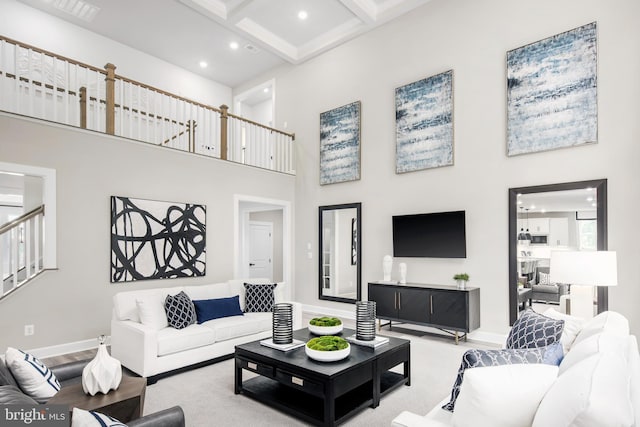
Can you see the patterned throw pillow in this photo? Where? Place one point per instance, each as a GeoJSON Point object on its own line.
{"type": "Point", "coordinates": [533, 330]}
{"type": "Point", "coordinates": [82, 418]}
{"type": "Point", "coordinates": [259, 298]}
{"type": "Point", "coordinates": [551, 355]}
{"type": "Point", "coordinates": [33, 377]}
{"type": "Point", "coordinates": [180, 310]}
{"type": "Point", "coordinates": [543, 279]}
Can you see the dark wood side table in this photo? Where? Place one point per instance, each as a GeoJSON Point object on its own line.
{"type": "Point", "coordinates": [524, 295]}
{"type": "Point", "coordinates": [124, 404]}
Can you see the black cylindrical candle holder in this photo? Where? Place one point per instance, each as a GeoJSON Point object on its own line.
{"type": "Point", "coordinates": [365, 320]}
{"type": "Point", "coordinates": [282, 323]}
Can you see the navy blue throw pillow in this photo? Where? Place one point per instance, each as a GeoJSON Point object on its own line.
{"type": "Point", "coordinates": [533, 330]}
{"type": "Point", "coordinates": [208, 309]}
{"type": "Point", "coordinates": [551, 355]}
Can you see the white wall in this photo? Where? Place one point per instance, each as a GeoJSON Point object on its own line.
{"type": "Point", "coordinates": [31, 26]}
{"type": "Point", "coordinates": [472, 38]}
{"type": "Point", "coordinates": [74, 303]}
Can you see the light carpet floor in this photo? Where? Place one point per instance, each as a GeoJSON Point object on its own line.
{"type": "Point", "coordinates": [207, 398]}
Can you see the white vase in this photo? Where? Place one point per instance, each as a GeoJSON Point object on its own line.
{"type": "Point", "coordinates": [103, 373]}
{"type": "Point", "coordinates": [403, 273]}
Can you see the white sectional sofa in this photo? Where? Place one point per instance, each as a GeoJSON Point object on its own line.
{"type": "Point", "coordinates": [597, 384]}
{"type": "Point", "coordinates": [145, 344]}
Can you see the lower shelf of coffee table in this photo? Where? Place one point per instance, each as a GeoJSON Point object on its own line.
{"type": "Point", "coordinates": [310, 408]}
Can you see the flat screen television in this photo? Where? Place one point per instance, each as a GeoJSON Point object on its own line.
{"type": "Point", "coordinates": [430, 235]}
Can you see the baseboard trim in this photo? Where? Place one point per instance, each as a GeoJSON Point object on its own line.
{"type": "Point", "coordinates": [71, 347]}
{"type": "Point", "coordinates": [316, 309]}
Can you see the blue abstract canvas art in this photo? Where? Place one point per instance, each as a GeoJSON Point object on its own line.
{"type": "Point", "coordinates": [340, 144]}
{"type": "Point", "coordinates": [424, 123]}
{"type": "Point", "coordinates": [552, 92]}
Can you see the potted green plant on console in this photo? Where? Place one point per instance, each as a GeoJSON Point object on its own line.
{"type": "Point", "coordinates": [461, 279]}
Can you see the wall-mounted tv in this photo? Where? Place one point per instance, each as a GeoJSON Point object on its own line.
{"type": "Point", "coordinates": [430, 235]}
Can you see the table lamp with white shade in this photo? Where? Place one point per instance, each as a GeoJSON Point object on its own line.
{"type": "Point", "coordinates": [583, 270]}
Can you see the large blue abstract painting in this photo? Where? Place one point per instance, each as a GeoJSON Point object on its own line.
{"type": "Point", "coordinates": [424, 123]}
{"type": "Point", "coordinates": [551, 92]}
{"type": "Point", "coordinates": [340, 144]}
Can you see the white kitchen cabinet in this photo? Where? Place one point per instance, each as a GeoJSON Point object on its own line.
{"type": "Point", "coordinates": [558, 232]}
{"type": "Point", "coordinates": [538, 225]}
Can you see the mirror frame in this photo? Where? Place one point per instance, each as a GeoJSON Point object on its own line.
{"type": "Point", "coordinates": [321, 209]}
{"type": "Point", "coordinates": [601, 190]}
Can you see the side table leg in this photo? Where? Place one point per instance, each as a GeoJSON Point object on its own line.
{"type": "Point", "coordinates": [237, 377]}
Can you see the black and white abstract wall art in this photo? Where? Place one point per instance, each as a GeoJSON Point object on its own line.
{"type": "Point", "coordinates": [552, 92]}
{"type": "Point", "coordinates": [156, 240]}
{"type": "Point", "coordinates": [340, 144]}
{"type": "Point", "coordinates": [424, 123]}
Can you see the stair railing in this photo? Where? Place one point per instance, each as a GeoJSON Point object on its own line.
{"type": "Point", "coordinates": [41, 84]}
{"type": "Point", "coordinates": [21, 246]}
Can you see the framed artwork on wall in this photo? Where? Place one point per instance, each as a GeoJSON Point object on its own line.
{"type": "Point", "coordinates": [424, 123]}
{"type": "Point", "coordinates": [156, 240]}
{"type": "Point", "coordinates": [552, 92]}
{"type": "Point", "coordinates": [340, 144]}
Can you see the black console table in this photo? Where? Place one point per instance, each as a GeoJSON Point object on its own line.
{"type": "Point", "coordinates": [447, 308]}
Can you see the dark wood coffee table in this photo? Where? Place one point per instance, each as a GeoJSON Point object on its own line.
{"type": "Point", "coordinates": [124, 404]}
{"type": "Point", "coordinates": [321, 393]}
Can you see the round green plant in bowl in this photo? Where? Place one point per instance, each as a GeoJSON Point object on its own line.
{"type": "Point", "coordinates": [327, 348]}
{"type": "Point", "coordinates": [325, 325]}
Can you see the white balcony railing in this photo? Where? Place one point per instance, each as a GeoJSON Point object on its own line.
{"type": "Point", "coordinates": [41, 84]}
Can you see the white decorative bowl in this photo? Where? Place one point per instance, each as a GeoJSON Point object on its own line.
{"type": "Point", "coordinates": [325, 330]}
{"type": "Point", "coordinates": [328, 356]}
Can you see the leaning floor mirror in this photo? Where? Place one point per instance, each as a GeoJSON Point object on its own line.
{"type": "Point", "coordinates": [340, 252]}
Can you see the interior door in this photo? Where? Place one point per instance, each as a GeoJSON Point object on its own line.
{"type": "Point", "coordinates": [260, 249]}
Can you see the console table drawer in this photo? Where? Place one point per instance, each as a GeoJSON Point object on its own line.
{"type": "Point", "coordinates": [259, 368]}
{"type": "Point", "coordinates": [299, 383]}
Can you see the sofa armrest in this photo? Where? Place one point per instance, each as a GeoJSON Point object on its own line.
{"type": "Point", "coordinates": [172, 417]}
{"type": "Point", "coordinates": [409, 419]}
{"type": "Point", "coordinates": [68, 371]}
{"type": "Point", "coordinates": [563, 289]}
{"type": "Point", "coordinates": [134, 345]}
{"type": "Point", "coordinates": [297, 314]}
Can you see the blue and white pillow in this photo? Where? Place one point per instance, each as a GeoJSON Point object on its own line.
{"type": "Point", "coordinates": [33, 377]}
{"type": "Point", "coordinates": [82, 418]}
{"type": "Point", "coordinates": [259, 298]}
{"type": "Point", "coordinates": [551, 355]}
{"type": "Point", "coordinates": [533, 330]}
{"type": "Point", "coordinates": [180, 310]}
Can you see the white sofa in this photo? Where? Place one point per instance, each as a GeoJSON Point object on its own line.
{"type": "Point", "coordinates": [596, 384]}
{"type": "Point", "coordinates": [145, 344]}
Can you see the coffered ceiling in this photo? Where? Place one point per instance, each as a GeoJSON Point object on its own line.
{"type": "Point", "coordinates": [267, 33]}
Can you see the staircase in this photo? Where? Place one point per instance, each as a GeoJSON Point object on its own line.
{"type": "Point", "coordinates": [21, 245]}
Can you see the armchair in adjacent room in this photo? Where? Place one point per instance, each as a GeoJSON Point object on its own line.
{"type": "Point", "coordinates": [543, 289]}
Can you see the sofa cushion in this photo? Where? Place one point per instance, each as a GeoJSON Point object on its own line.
{"type": "Point", "coordinates": [171, 340]}
{"type": "Point", "coordinates": [211, 291]}
{"type": "Point", "coordinates": [259, 298]}
{"type": "Point", "coordinates": [545, 289]}
{"type": "Point", "coordinates": [572, 327]}
{"type": "Point", "coordinates": [12, 395]}
{"type": "Point", "coordinates": [180, 310]}
{"type": "Point", "coordinates": [33, 377]}
{"type": "Point", "coordinates": [5, 375]}
{"type": "Point", "coordinates": [474, 358]}
{"type": "Point", "coordinates": [151, 310]}
{"type": "Point", "coordinates": [609, 321]}
{"type": "Point", "coordinates": [124, 303]}
{"type": "Point", "coordinates": [605, 342]}
{"type": "Point", "coordinates": [533, 330]}
{"type": "Point", "coordinates": [602, 400]}
{"type": "Point", "coordinates": [209, 309]}
{"type": "Point", "coordinates": [503, 396]}
{"type": "Point", "coordinates": [82, 418]}
{"type": "Point", "coordinates": [227, 328]}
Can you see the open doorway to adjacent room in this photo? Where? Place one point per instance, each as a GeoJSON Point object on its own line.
{"type": "Point", "coordinates": [263, 239]}
{"type": "Point", "coordinates": [257, 104]}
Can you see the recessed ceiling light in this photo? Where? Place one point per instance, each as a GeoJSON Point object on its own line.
{"type": "Point", "coordinates": [594, 204]}
{"type": "Point", "coordinates": [589, 199]}
{"type": "Point", "coordinates": [234, 45]}
{"type": "Point", "coordinates": [302, 15]}
{"type": "Point", "coordinates": [519, 202]}
{"type": "Point", "coordinates": [203, 64]}
{"type": "Point", "coordinates": [265, 90]}
{"type": "Point", "coordinates": [532, 207]}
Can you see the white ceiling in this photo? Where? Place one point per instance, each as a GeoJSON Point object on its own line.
{"type": "Point", "coordinates": [269, 32]}
{"type": "Point", "coordinates": [559, 201]}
